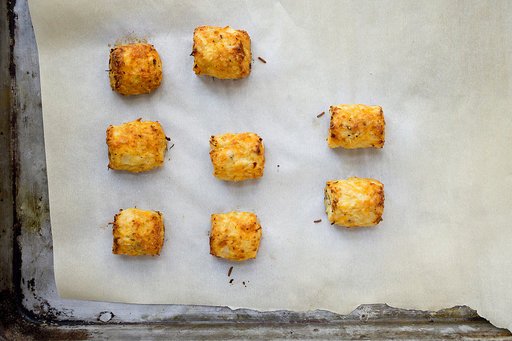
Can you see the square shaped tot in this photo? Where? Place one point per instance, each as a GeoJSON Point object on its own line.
{"type": "Point", "coordinates": [354, 202]}
{"type": "Point", "coordinates": [138, 232]}
{"type": "Point", "coordinates": [237, 157]}
{"type": "Point", "coordinates": [221, 52]}
{"type": "Point", "coordinates": [235, 235]}
{"type": "Point", "coordinates": [134, 69]}
{"type": "Point", "coordinates": [356, 126]}
{"type": "Point", "coordinates": [136, 146]}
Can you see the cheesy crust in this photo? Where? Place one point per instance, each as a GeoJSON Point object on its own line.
{"type": "Point", "coordinates": [354, 202]}
{"type": "Point", "coordinates": [221, 52]}
{"type": "Point", "coordinates": [356, 126]}
{"type": "Point", "coordinates": [235, 235]}
{"type": "Point", "coordinates": [134, 69]}
{"type": "Point", "coordinates": [237, 157]}
{"type": "Point", "coordinates": [138, 232]}
{"type": "Point", "coordinates": [136, 146]}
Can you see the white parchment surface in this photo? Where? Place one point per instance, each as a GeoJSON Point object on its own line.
{"type": "Point", "coordinates": [441, 70]}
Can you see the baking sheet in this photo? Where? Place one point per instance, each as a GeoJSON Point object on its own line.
{"type": "Point", "coordinates": [440, 70]}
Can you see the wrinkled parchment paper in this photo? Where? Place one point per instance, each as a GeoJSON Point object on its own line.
{"type": "Point", "coordinates": [442, 73]}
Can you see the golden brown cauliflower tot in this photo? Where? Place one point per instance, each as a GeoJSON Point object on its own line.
{"type": "Point", "coordinates": [134, 69]}
{"type": "Point", "coordinates": [356, 126]}
{"type": "Point", "coordinates": [354, 202]}
{"type": "Point", "coordinates": [237, 157]}
{"type": "Point", "coordinates": [221, 52]}
{"type": "Point", "coordinates": [235, 235]}
{"type": "Point", "coordinates": [138, 232]}
{"type": "Point", "coordinates": [136, 146]}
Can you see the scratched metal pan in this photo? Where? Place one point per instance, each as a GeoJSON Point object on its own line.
{"type": "Point", "coordinates": [29, 305]}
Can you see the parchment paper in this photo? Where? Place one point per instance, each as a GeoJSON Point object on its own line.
{"type": "Point", "coordinates": [442, 73]}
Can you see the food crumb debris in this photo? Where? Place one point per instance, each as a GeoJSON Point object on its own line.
{"type": "Point", "coordinates": [262, 60]}
{"type": "Point", "coordinates": [167, 138]}
{"type": "Point", "coordinates": [317, 221]}
{"type": "Point", "coordinates": [231, 281]}
{"type": "Point", "coordinates": [107, 226]}
{"type": "Point", "coordinates": [171, 146]}
{"type": "Point", "coordinates": [321, 114]}
{"type": "Point", "coordinates": [244, 284]}
{"type": "Point", "coordinates": [230, 271]}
